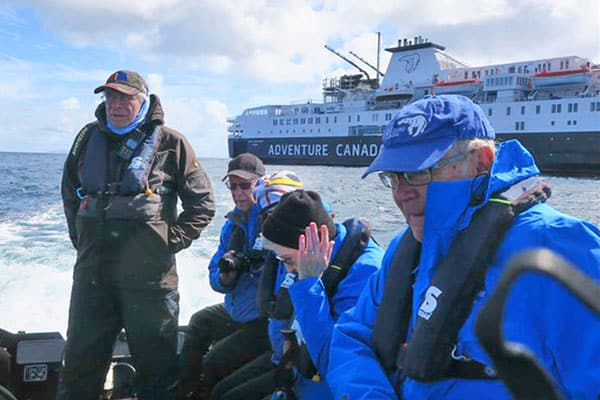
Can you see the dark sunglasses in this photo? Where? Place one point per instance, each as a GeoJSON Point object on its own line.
{"type": "Point", "coordinates": [241, 185]}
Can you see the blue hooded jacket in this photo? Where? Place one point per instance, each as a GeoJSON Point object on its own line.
{"type": "Point", "coordinates": [315, 313]}
{"type": "Point", "coordinates": [240, 298]}
{"type": "Point", "coordinates": [562, 333]}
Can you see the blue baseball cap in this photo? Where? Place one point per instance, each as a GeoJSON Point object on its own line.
{"type": "Point", "coordinates": [423, 131]}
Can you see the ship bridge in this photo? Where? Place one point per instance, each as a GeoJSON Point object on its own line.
{"type": "Point", "coordinates": [414, 64]}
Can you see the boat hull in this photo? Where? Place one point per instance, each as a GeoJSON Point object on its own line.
{"type": "Point", "coordinates": [565, 153]}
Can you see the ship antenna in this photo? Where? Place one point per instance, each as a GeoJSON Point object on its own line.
{"type": "Point", "coordinates": [348, 61]}
{"type": "Point", "coordinates": [369, 65]}
{"type": "Point", "coordinates": [378, 54]}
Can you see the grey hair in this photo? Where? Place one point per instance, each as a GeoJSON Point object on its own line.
{"type": "Point", "coordinates": [465, 146]}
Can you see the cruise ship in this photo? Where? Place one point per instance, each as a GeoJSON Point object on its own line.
{"type": "Point", "coordinates": [551, 105]}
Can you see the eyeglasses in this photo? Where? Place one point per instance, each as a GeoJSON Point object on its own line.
{"type": "Point", "coordinates": [391, 179]}
{"type": "Point", "coordinates": [289, 260]}
{"type": "Point", "coordinates": [114, 97]}
{"type": "Point", "coordinates": [241, 185]}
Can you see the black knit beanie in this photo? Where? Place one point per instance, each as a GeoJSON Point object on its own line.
{"type": "Point", "coordinates": [295, 211]}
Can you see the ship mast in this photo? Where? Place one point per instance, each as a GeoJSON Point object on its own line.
{"type": "Point", "coordinates": [378, 54]}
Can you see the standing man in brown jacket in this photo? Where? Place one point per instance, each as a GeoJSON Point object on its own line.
{"type": "Point", "coordinates": [120, 186]}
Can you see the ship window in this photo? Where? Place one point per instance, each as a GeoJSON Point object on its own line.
{"type": "Point", "coordinates": [317, 120]}
{"type": "Point", "coordinates": [558, 108]}
{"type": "Point", "coordinates": [326, 120]}
{"type": "Point", "coordinates": [310, 120]}
{"type": "Point", "coordinates": [489, 112]}
{"type": "Point", "coordinates": [537, 109]}
{"type": "Point", "coordinates": [552, 123]}
{"type": "Point", "coordinates": [569, 122]}
{"type": "Point", "coordinates": [567, 64]}
{"type": "Point", "coordinates": [281, 121]}
{"type": "Point", "coordinates": [511, 70]}
{"type": "Point", "coordinates": [349, 118]}
{"type": "Point", "coordinates": [522, 109]}
{"type": "Point", "coordinates": [295, 121]}
{"type": "Point", "coordinates": [553, 108]}
{"type": "Point", "coordinates": [562, 64]}
{"type": "Point", "coordinates": [516, 125]}
{"type": "Point", "coordinates": [507, 110]}
{"type": "Point", "coordinates": [335, 119]}
{"type": "Point", "coordinates": [466, 74]}
{"type": "Point", "coordinates": [288, 121]}
{"type": "Point", "coordinates": [302, 120]}
{"type": "Point", "coordinates": [357, 118]}
{"type": "Point", "coordinates": [522, 125]}
{"type": "Point", "coordinates": [570, 107]}
{"type": "Point", "coordinates": [374, 117]}
{"type": "Point", "coordinates": [274, 122]}
{"type": "Point", "coordinates": [575, 107]}
{"type": "Point", "coordinates": [574, 122]}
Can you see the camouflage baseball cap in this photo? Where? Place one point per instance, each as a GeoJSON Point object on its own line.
{"type": "Point", "coordinates": [127, 82]}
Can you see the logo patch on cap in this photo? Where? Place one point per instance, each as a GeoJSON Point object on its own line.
{"type": "Point", "coordinates": [411, 126]}
{"type": "Point", "coordinates": [118, 76]}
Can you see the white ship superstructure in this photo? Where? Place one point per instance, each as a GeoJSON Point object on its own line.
{"type": "Point", "coordinates": [551, 105]}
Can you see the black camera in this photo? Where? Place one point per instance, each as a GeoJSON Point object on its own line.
{"type": "Point", "coordinates": [240, 261]}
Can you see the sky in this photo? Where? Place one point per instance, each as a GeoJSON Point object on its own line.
{"type": "Point", "coordinates": [209, 60]}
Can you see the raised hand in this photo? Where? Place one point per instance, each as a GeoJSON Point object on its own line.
{"type": "Point", "coordinates": [314, 254]}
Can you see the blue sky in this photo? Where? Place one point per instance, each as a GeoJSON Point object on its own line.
{"type": "Point", "coordinates": [209, 60]}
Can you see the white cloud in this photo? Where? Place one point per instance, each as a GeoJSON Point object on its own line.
{"type": "Point", "coordinates": [69, 104]}
{"type": "Point", "coordinates": [281, 41]}
{"type": "Point", "coordinates": [202, 121]}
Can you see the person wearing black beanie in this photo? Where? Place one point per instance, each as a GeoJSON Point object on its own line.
{"type": "Point", "coordinates": [293, 214]}
{"type": "Point", "coordinates": [308, 244]}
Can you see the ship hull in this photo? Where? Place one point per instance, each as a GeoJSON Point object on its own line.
{"type": "Point", "coordinates": [575, 153]}
{"type": "Point", "coordinates": [564, 153]}
{"type": "Point", "coordinates": [347, 151]}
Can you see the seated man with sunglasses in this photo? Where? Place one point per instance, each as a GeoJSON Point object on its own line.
{"type": "Point", "coordinates": [234, 331]}
{"type": "Point", "coordinates": [469, 208]}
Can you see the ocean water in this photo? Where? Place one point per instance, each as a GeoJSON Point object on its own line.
{"type": "Point", "coordinates": [36, 256]}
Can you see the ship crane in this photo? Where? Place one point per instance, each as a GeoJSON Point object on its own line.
{"type": "Point", "coordinates": [379, 73]}
{"type": "Point", "coordinates": [337, 53]}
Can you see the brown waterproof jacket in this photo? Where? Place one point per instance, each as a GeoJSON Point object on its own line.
{"type": "Point", "coordinates": [130, 240]}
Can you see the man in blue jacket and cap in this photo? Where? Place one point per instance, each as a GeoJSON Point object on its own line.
{"type": "Point", "coordinates": [469, 209]}
{"type": "Point", "coordinates": [234, 331]}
